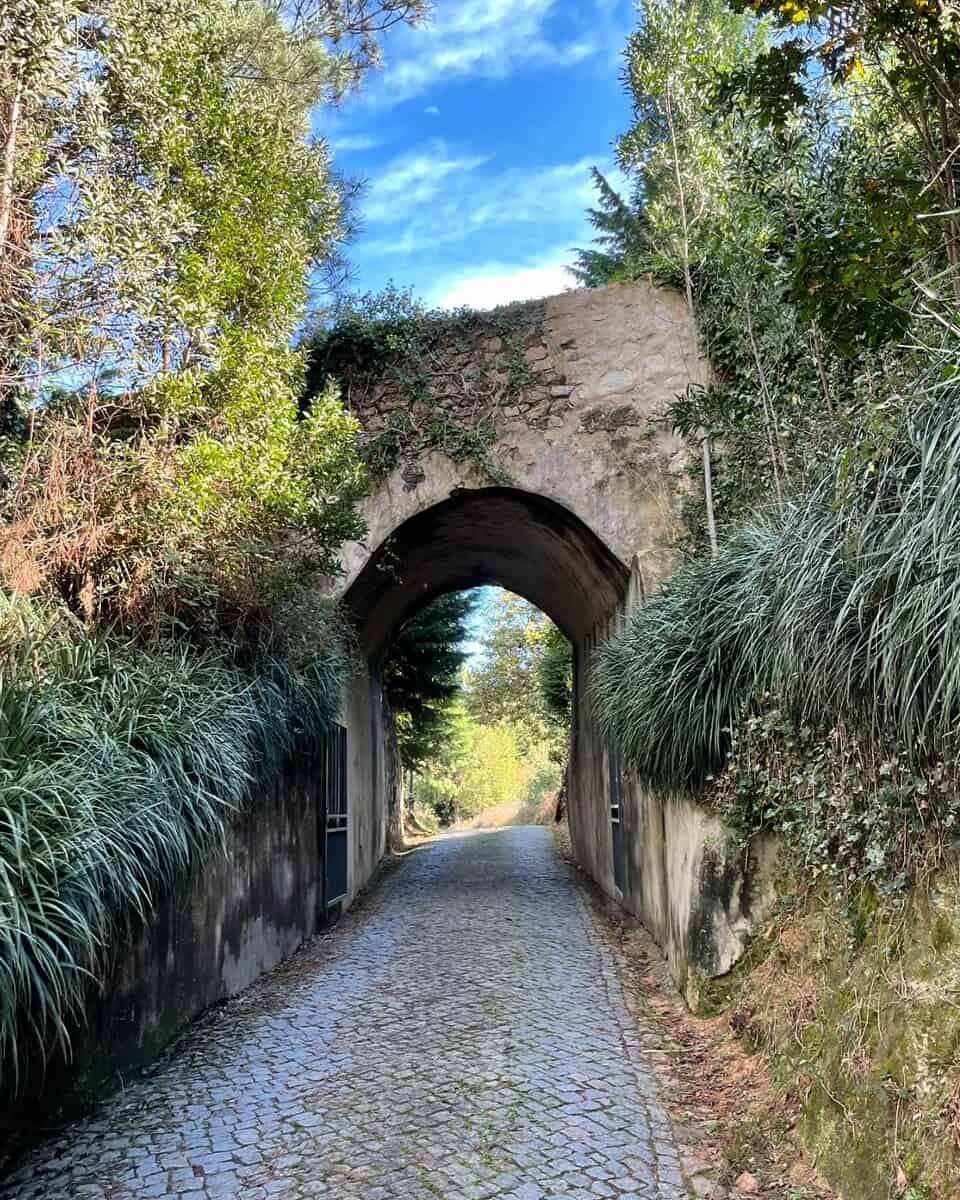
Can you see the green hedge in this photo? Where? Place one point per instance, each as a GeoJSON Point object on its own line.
{"type": "Point", "coordinates": [119, 768]}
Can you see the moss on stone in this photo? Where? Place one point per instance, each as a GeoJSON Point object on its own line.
{"type": "Point", "coordinates": [856, 1001]}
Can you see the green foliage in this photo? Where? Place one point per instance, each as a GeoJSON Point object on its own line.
{"type": "Point", "coordinates": [386, 351]}
{"type": "Point", "coordinates": [907, 53]}
{"type": "Point", "coordinates": [524, 677]}
{"type": "Point", "coordinates": [119, 766]}
{"type": "Point", "coordinates": [844, 607]}
{"type": "Point", "coordinates": [845, 806]}
{"type": "Point", "coordinates": [421, 676]}
{"type": "Point", "coordinates": [621, 240]}
{"type": "Point", "coordinates": [480, 736]}
{"type": "Point", "coordinates": [162, 205]}
{"type": "Point", "coordinates": [482, 767]}
{"type": "Point", "coordinates": [801, 236]}
{"type": "Point", "coordinates": [555, 676]}
{"type": "Point", "coordinates": [493, 772]}
{"type": "Point", "coordinates": [167, 203]}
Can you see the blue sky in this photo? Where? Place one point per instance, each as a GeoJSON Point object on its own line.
{"type": "Point", "coordinates": [475, 141]}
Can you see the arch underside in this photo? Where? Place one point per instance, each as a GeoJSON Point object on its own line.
{"type": "Point", "coordinates": [521, 541]}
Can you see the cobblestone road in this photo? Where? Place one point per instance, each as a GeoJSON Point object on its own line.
{"type": "Point", "coordinates": [462, 1036]}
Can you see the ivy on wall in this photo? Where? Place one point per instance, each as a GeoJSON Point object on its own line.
{"type": "Point", "coordinates": [424, 380]}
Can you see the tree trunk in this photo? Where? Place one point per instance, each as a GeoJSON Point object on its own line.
{"type": "Point", "coordinates": [9, 161]}
{"type": "Point", "coordinates": [708, 493]}
{"type": "Point", "coordinates": [821, 369]}
{"type": "Point", "coordinates": [688, 289]}
{"type": "Point", "coordinates": [769, 419]}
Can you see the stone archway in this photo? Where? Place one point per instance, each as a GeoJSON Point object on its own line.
{"type": "Point", "coordinates": [573, 403]}
{"type": "Point", "coordinates": [574, 505]}
{"type": "Point", "coordinates": [521, 541]}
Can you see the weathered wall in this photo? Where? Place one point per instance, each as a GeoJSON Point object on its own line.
{"type": "Point", "coordinates": [371, 775]}
{"type": "Point", "coordinates": [250, 907]}
{"type": "Point", "coordinates": [696, 890]}
{"type": "Point", "coordinates": [586, 431]}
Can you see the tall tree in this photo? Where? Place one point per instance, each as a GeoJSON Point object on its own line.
{"type": "Point", "coordinates": [788, 210]}
{"type": "Point", "coordinates": [162, 203]}
{"type": "Point", "coordinates": [910, 47]}
{"type": "Point", "coordinates": [511, 683]}
{"type": "Point", "coordinates": [421, 675]}
{"type": "Point", "coordinates": [677, 148]}
{"type": "Point", "coordinates": [621, 242]}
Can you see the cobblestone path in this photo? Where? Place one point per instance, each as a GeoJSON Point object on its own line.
{"type": "Point", "coordinates": [462, 1036]}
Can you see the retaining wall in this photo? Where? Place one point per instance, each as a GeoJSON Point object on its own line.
{"type": "Point", "coordinates": [249, 908]}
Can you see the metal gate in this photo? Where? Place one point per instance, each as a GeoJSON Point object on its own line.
{"type": "Point", "coordinates": [616, 822]}
{"type": "Point", "coordinates": [335, 848]}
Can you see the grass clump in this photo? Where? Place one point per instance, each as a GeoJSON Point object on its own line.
{"type": "Point", "coordinates": [120, 765]}
{"type": "Point", "coordinates": [829, 627]}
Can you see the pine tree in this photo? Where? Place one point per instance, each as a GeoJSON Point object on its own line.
{"type": "Point", "coordinates": [621, 237]}
{"type": "Point", "coordinates": [421, 675]}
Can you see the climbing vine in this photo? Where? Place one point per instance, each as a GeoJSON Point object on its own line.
{"type": "Point", "coordinates": [422, 380]}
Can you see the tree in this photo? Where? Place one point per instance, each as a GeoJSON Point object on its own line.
{"type": "Point", "coordinates": [910, 47]}
{"type": "Point", "coordinates": [555, 677]}
{"type": "Point", "coordinates": [162, 204]}
{"type": "Point", "coordinates": [676, 148]}
{"type": "Point", "coordinates": [796, 240]}
{"type": "Point", "coordinates": [512, 684]}
{"type": "Point", "coordinates": [421, 675]}
{"type": "Point", "coordinates": [621, 239]}
{"type": "Point", "coordinates": [482, 767]}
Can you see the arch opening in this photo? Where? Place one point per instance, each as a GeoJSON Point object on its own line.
{"type": "Point", "coordinates": [522, 541]}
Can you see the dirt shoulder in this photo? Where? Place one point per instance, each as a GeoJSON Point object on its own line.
{"type": "Point", "coordinates": [737, 1129]}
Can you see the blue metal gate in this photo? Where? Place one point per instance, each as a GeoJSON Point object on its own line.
{"type": "Point", "coordinates": [335, 818]}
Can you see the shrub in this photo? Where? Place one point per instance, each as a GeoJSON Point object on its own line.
{"type": "Point", "coordinates": [844, 607]}
{"type": "Point", "coordinates": [119, 766]}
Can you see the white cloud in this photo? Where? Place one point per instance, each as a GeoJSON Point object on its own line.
{"type": "Point", "coordinates": [475, 38]}
{"type": "Point", "coordinates": [436, 196]}
{"type": "Point", "coordinates": [432, 111]}
{"type": "Point", "coordinates": [407, 183]}
{"type": "Point", "coordinates": [357, 142]}
{"type": "Point", "coordinates": [496, 283]}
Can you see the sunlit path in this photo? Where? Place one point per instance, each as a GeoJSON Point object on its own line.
{"type": "Point", "coordinates": [463, 1035]}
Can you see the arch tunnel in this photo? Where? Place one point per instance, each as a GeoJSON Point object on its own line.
{"type": "Point", "coordinates": [527, 543]}
{"type": "Point", "coordinates": [537, 548]}
{"type": "Point", "coordinates": [657, 855]}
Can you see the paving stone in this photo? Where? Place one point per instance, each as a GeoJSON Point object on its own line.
{"type": "Point", "coordinates": [464, 1035]}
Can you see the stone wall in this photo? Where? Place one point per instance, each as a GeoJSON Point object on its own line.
{"type": "Point", "coordinates": [585, 430]}
{"type": "Point", "coordinates": [697, 891]}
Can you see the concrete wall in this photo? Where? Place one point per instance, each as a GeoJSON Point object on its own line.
{"type": "Point", "coordinates": [250, 907]}
{"type": "Point", "coordinates": [698, 892]}
{"type": "Point", "coordinates": [372, 770]}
